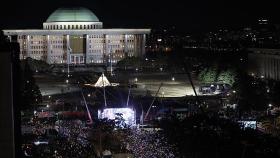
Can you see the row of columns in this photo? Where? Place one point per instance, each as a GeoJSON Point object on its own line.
{"type": "Point", "coordinates": [106, 48]}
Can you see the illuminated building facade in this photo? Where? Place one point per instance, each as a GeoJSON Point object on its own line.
{"type": "Point", "coordinates": [76, 35]}
{"type": "Point", "coordinates": [264, 63]}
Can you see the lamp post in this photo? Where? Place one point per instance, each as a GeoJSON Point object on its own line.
{"type": "Point", "coordinates": [269, 107]}
{"type": "Point", "coordinates": [69, 51]}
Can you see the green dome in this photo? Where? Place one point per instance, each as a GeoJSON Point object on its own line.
{"type": "Point", "coordinates": [72, 15]}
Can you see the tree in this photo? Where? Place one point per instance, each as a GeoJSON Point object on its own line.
{"type": "Point", "coordinates": [130, 61]}
{"type": "Point", "coordinates": [208, 75]}
{"type": "Point", "coordinates": [30, 93]}
{"type": "Point", "coordinates": [275, 93]}
{"type": "Point", "coordinates": [227, 76]}
{"type": "Point", "coordinates": [37, 65]}
{"type": "Point", "coordinates": [251, 93]}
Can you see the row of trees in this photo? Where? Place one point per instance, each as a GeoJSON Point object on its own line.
{"type": "Point", "coordinates": [211, 75]}
{"type": "Point", "coordinates": [256, 94]}
{"type": "Point", "coordinates": [30, 93]}
{"type": "Point", "coordinates": [136, 62]}
{"type": "Point", "coordinates": [251, 93]}
{"type": "Point", "coordinates": [37, 65]}
{"type": "Point", "coordinates": [208, 136]}
{"type": "Point", "coordinates": [130, 62]}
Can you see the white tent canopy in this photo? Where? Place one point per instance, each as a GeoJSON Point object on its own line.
{"type": "Point", "coordinates": [102, 81]}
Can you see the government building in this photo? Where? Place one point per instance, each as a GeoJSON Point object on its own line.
{"type": "Point", "coordinates": [76, 36]}
{"type": "Point", "coordinates": [264, 63]}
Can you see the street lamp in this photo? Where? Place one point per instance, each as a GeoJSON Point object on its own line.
{"type": "Point", "coordinates": [67, 81]}
{"type": "Point", "coordinates": [173, 79]}
{"type": "Point", "coordinates": [269, 105]}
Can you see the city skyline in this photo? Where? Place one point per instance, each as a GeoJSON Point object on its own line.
{"type": "Point", "coordinates": [190, 17]}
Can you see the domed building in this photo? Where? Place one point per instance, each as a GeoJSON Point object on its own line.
{"type": "Point", "coordinates": [76, 36]}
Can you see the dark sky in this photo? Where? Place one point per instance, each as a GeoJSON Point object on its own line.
{"type": "Point", "coordinates": [188, 15]}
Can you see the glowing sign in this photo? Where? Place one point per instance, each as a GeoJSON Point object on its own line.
{"type": "Point", "coordinates": [127, 114]}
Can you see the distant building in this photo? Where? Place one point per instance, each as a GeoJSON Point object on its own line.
{"type": "Point", "coordinates": [264, 63]}
{"type": "Point", "coordinates": [262, 21]}
{"type": "Point", "coordinates": [76, 35]}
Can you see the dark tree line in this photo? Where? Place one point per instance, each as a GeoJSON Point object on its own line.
{"type": "Point", "coordinates": [29, 91]}
{"type": "Point", "coordinates": [208, 136]}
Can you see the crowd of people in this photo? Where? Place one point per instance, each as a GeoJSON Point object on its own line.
{"type": "Point", "coordinates": [148, 144]}
{"type": "Point", "coordinates": [70, 140]}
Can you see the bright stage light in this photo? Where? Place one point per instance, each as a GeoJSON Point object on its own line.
{"type": "Point", "coordinates": [248, 124]}
{"type": "Point", "coordinates": [128, 115]}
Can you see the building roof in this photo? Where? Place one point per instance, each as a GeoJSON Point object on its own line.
{"type": "Point", "coordinates": [73, 15]}
{"type": "Point", "coordinates": [77, 32]}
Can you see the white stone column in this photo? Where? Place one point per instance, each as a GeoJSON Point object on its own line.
{"type": "Point", "coordinates": [68, 50]}
{"type": "Point", "coordinates": [87, 59]}
{"type": "Point", "coordinates": [28, 50]}
{"type": "Point", "coordinates": [49, 49]}
{"type": "Point", "coordinates": [136, 45]}
{"type": "Point", "coordinates": [125, 45]}
{"type": "Point", "coordinates": [143, 51]}
{"type": "Point", "coordinates": [106, 45]}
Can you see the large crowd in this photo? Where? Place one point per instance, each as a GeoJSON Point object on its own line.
{"type": "Point", "coordinates": [70, 140]}
{"type": "Point", "coordinates": [148, 144]}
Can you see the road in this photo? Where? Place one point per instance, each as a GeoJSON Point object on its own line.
{"type": "Point", "coordinates": [173, 85]}
{"type": "Point", "coordinates": [51, 85]}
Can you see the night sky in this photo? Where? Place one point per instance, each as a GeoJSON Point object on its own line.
{"type": "Point", "coordinates": [191, 16]}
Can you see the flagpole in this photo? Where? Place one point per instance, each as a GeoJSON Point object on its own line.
{"type": "Point", "coordinates": [104, 94]}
